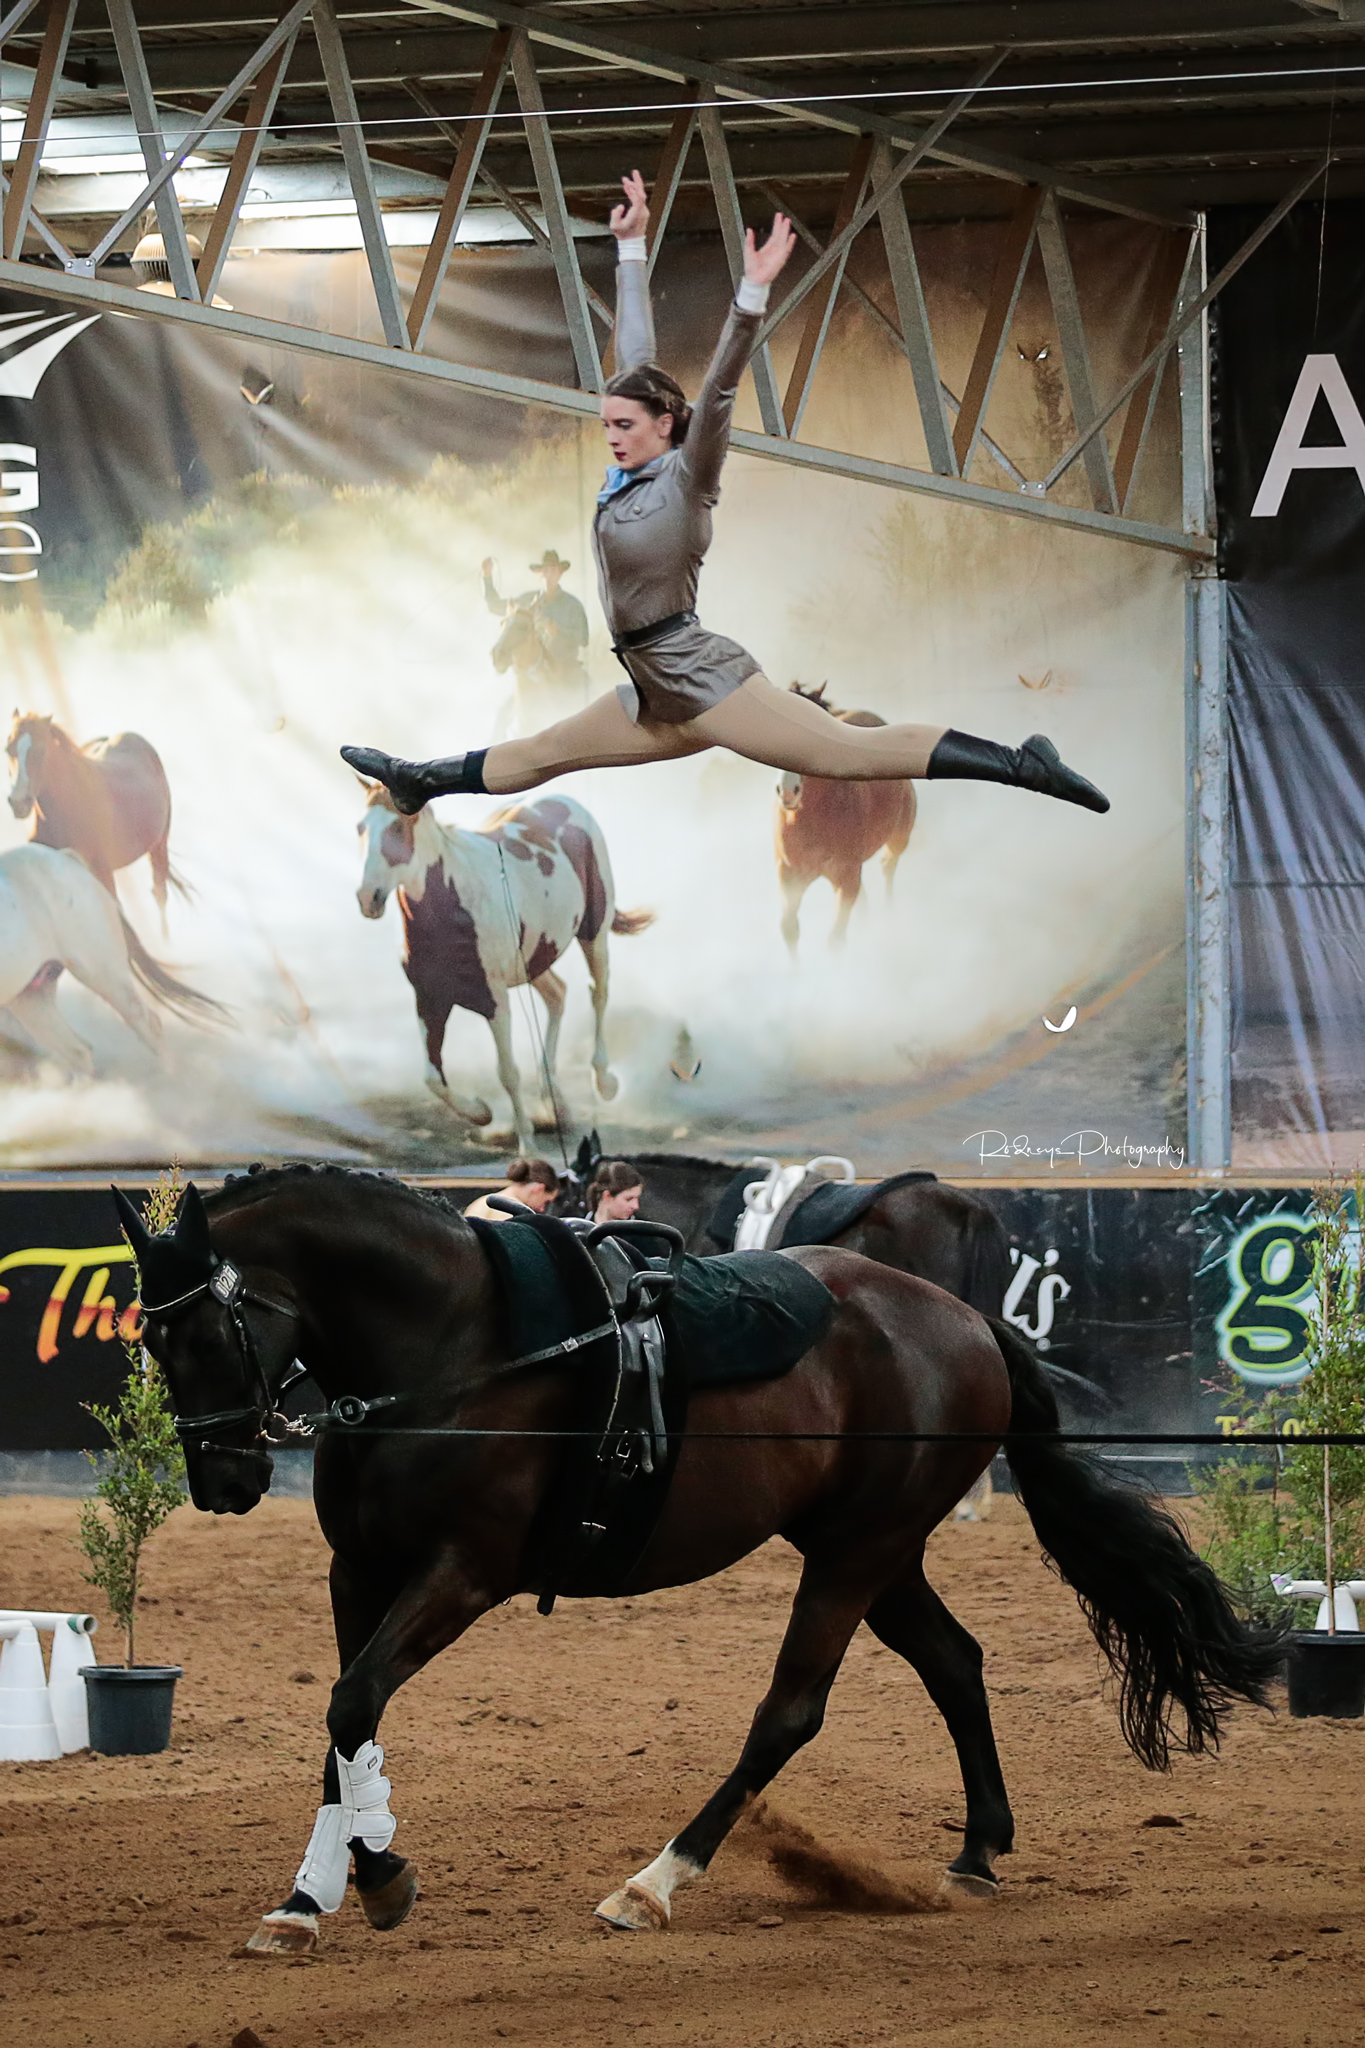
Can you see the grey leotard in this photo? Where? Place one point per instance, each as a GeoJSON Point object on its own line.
{"type": "Point", "coordinates": [650, 537]}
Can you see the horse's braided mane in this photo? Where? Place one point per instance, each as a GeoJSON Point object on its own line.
{"type": "Point", "coordinates": [239, 1190]}
{"type": "Point", "coordinates": [681, 1159]}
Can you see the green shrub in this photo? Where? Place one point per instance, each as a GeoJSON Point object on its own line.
{"type": "Point", "coordinates": [140, 1474]}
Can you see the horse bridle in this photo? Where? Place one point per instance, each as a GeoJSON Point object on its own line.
{"type": "Point", "coordinates": [227, 1286]}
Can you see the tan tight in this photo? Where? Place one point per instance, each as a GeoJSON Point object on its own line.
{"type": "Point", "coordinates": [757, 720]}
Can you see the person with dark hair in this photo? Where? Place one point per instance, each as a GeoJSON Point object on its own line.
{"type": "Point", "coordinates": [614, 1191]}
{"type": "Point", "coordinates": [533, 1183]}
{"type": "Point", "coordinates": [688, 689]}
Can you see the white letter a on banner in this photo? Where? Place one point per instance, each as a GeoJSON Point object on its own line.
{"type": "Point", "coordinates": [1319, 374]}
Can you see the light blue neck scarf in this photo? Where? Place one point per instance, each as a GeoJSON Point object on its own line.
{"type": "Point", "coordinates": [617, 478]}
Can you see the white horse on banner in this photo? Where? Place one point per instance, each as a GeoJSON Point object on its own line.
{"type": "Point", "coordinates": [491, 910]}
{"type": "Point", "coordinates": [54, 915]}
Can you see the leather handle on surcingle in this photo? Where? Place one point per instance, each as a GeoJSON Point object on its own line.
{"type": "Point", "coordinates": [637, 1228]}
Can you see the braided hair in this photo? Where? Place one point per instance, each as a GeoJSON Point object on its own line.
{"type": "Point", "coordinates": [657, 392]}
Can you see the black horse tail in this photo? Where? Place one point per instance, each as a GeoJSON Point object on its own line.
{"type": "Point", "coordinates": [1157, 1611]}
{"type": "Point", "coordinates": [186, 1002]}
{"type": "Point", "coordinates": [988, 1260]}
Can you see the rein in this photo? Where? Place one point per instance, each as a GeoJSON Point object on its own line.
{"type": "Point", "coordinates": [228, 1288]}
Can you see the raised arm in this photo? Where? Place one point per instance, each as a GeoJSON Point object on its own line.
{"type": "Point", "coordinates": [497, 605]}
{"type": "Point", "coordinates": [634, 337]}
{"type": "Point", "coordinates": [708, 435]}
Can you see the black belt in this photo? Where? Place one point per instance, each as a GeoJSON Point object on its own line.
{"type": "Point", "coordinates": [642, 636]}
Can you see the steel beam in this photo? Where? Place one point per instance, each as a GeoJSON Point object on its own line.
{"type": "Point", "coordinates": [499, 191]}
{"type": "Point", "coordinates": [667, 179]}
{"type": "Point", "coordinates": [11, 23]}
{"type": "Point", "coordinates": [888, 327]}
{"type": "Point", "coordinates": [555, 208]}
{"type": "Point", "coordinates": [142, 106]}
{"type": "Point", "coordinates": [883, 190]}
{"type": "Point", "coordinates": [97, 295]}
{"type": "Point", "coordinates": [40, 228]}
{"type": "Point", "coordinates": [380, 50]}
{"type": "Point", "coordinates": [732, 234]}
{"type": "Point", "coordinates": [360, 173]}
{"type": "Point", "coordinates": [729, 83]}
{"type": "Point", "coordinates": [1186, 315]}
{"type": "Point", "coordinates": [61, 14]}
{"type": "Point", "coordinates": [468, 154]}
{"type": "Point", "coordinates": [821, 308]}
{"type": "Point", "coordinates": [1208, 925]}
{"type": "Point", "coordinates": [1011, 263]}
{"type": "Point", "coordinates": [1137, 422]}
{"type": "Point", "coordinates": [1208, 934]}
{"type": "Point", "coordinates": [245, 157]}
{"type": "Point", "coordinates": [748, 32]}
{"type": "Point", "coordinates": [1198, 509]}
{"type": "Point", "coordinates": [166, 164]}
{"type": "Point", "coordinates": [914, 319]}
{"type": "Point", "coordinates": [1066, 305]}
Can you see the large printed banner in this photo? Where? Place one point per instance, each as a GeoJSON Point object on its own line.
{"type": "Point", "coordinates": [218, 562]}
{"type": "Point", "coordinates": [1290, 449]}
{"type": "Point", "coordinates": [1166, 1299]}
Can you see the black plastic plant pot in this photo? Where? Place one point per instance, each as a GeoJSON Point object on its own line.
{"type": "Point", "coordinates": [1326, 1674]}
{"type": "Point", "coordinates": [130, 1707]}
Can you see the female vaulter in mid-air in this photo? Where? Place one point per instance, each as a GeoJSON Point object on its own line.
{"type": "Point", "coordinates": [690, 689]}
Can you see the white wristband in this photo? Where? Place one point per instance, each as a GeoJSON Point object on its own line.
{"type": "Point", "coordinates": [751, 297]}
{"type": "Point", "coordinates": [631, 249]}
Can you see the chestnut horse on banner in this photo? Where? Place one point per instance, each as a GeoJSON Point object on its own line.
{"type": "Point", "coordinates": [109, 801]}
{"type": "Point", "coordinates": [828, 830]}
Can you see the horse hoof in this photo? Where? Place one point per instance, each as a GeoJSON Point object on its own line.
{"type": "Point", "coordinates": [285, 1934]}
{"type": "Point", "coordinates": [634, 1910]}
{"type": "Point", "coordinates": [389, 1906]}
{"type": "Point", "coordinates": [965, 1884]}
{"type": "Point", "coordinates": [608, 1087]}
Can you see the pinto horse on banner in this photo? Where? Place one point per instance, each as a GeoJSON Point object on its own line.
{"type": "Point", "coordinates": [491, 910]}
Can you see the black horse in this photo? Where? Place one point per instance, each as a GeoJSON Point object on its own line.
{"type": "Point", "coordinates": [386, 1297]}
{"type": "Point", "coordinates": [944, 1234]}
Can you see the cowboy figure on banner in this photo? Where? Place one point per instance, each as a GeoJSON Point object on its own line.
{"type": "Point", "coordinates": [543, 642]}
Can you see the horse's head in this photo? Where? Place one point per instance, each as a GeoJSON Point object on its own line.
{"type": "Point", "coordinates": [224, 1345]}
{"type": "Point", "coordinates": [571, 1199]}
{"type": "Point", "coordinates": [518, 644]}
{"type": "Point", "coordinates": [29, 739]}
{"type": "Point", "coordinates": [789, 791]}
{"type": "Point", "coordinates": [390, 842]}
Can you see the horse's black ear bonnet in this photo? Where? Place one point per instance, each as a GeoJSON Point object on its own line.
{"type": "Point", "coordinates": [178, 1261]}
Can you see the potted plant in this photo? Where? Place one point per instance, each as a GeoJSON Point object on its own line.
{"type": "Point", "coordinates": [1327, 1482]}
{"type": "Point", "coordinates": [1246, 1511]}
{"type": "Point", "coordinates": [139, 1485]}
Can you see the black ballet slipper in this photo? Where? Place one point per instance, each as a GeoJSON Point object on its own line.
{"type": "Point", "coordinates": [412, 784]}
{"type": "Point", "coordinates": [1036, 765]}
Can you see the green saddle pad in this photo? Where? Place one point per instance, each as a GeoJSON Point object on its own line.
{"type": "Point", "coordinates": [747, 1316]}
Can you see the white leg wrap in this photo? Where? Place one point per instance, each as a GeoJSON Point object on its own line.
{"type": "Point", "coordinates": [668, 1873]}
{"type": "Point", "coordinates": [326, 1861]}
{"type": "Point", "coordinates": [365, 1797]}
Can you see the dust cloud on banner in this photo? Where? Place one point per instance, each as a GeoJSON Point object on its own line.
{"type": "Point", "coordinates": [242, 557]}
